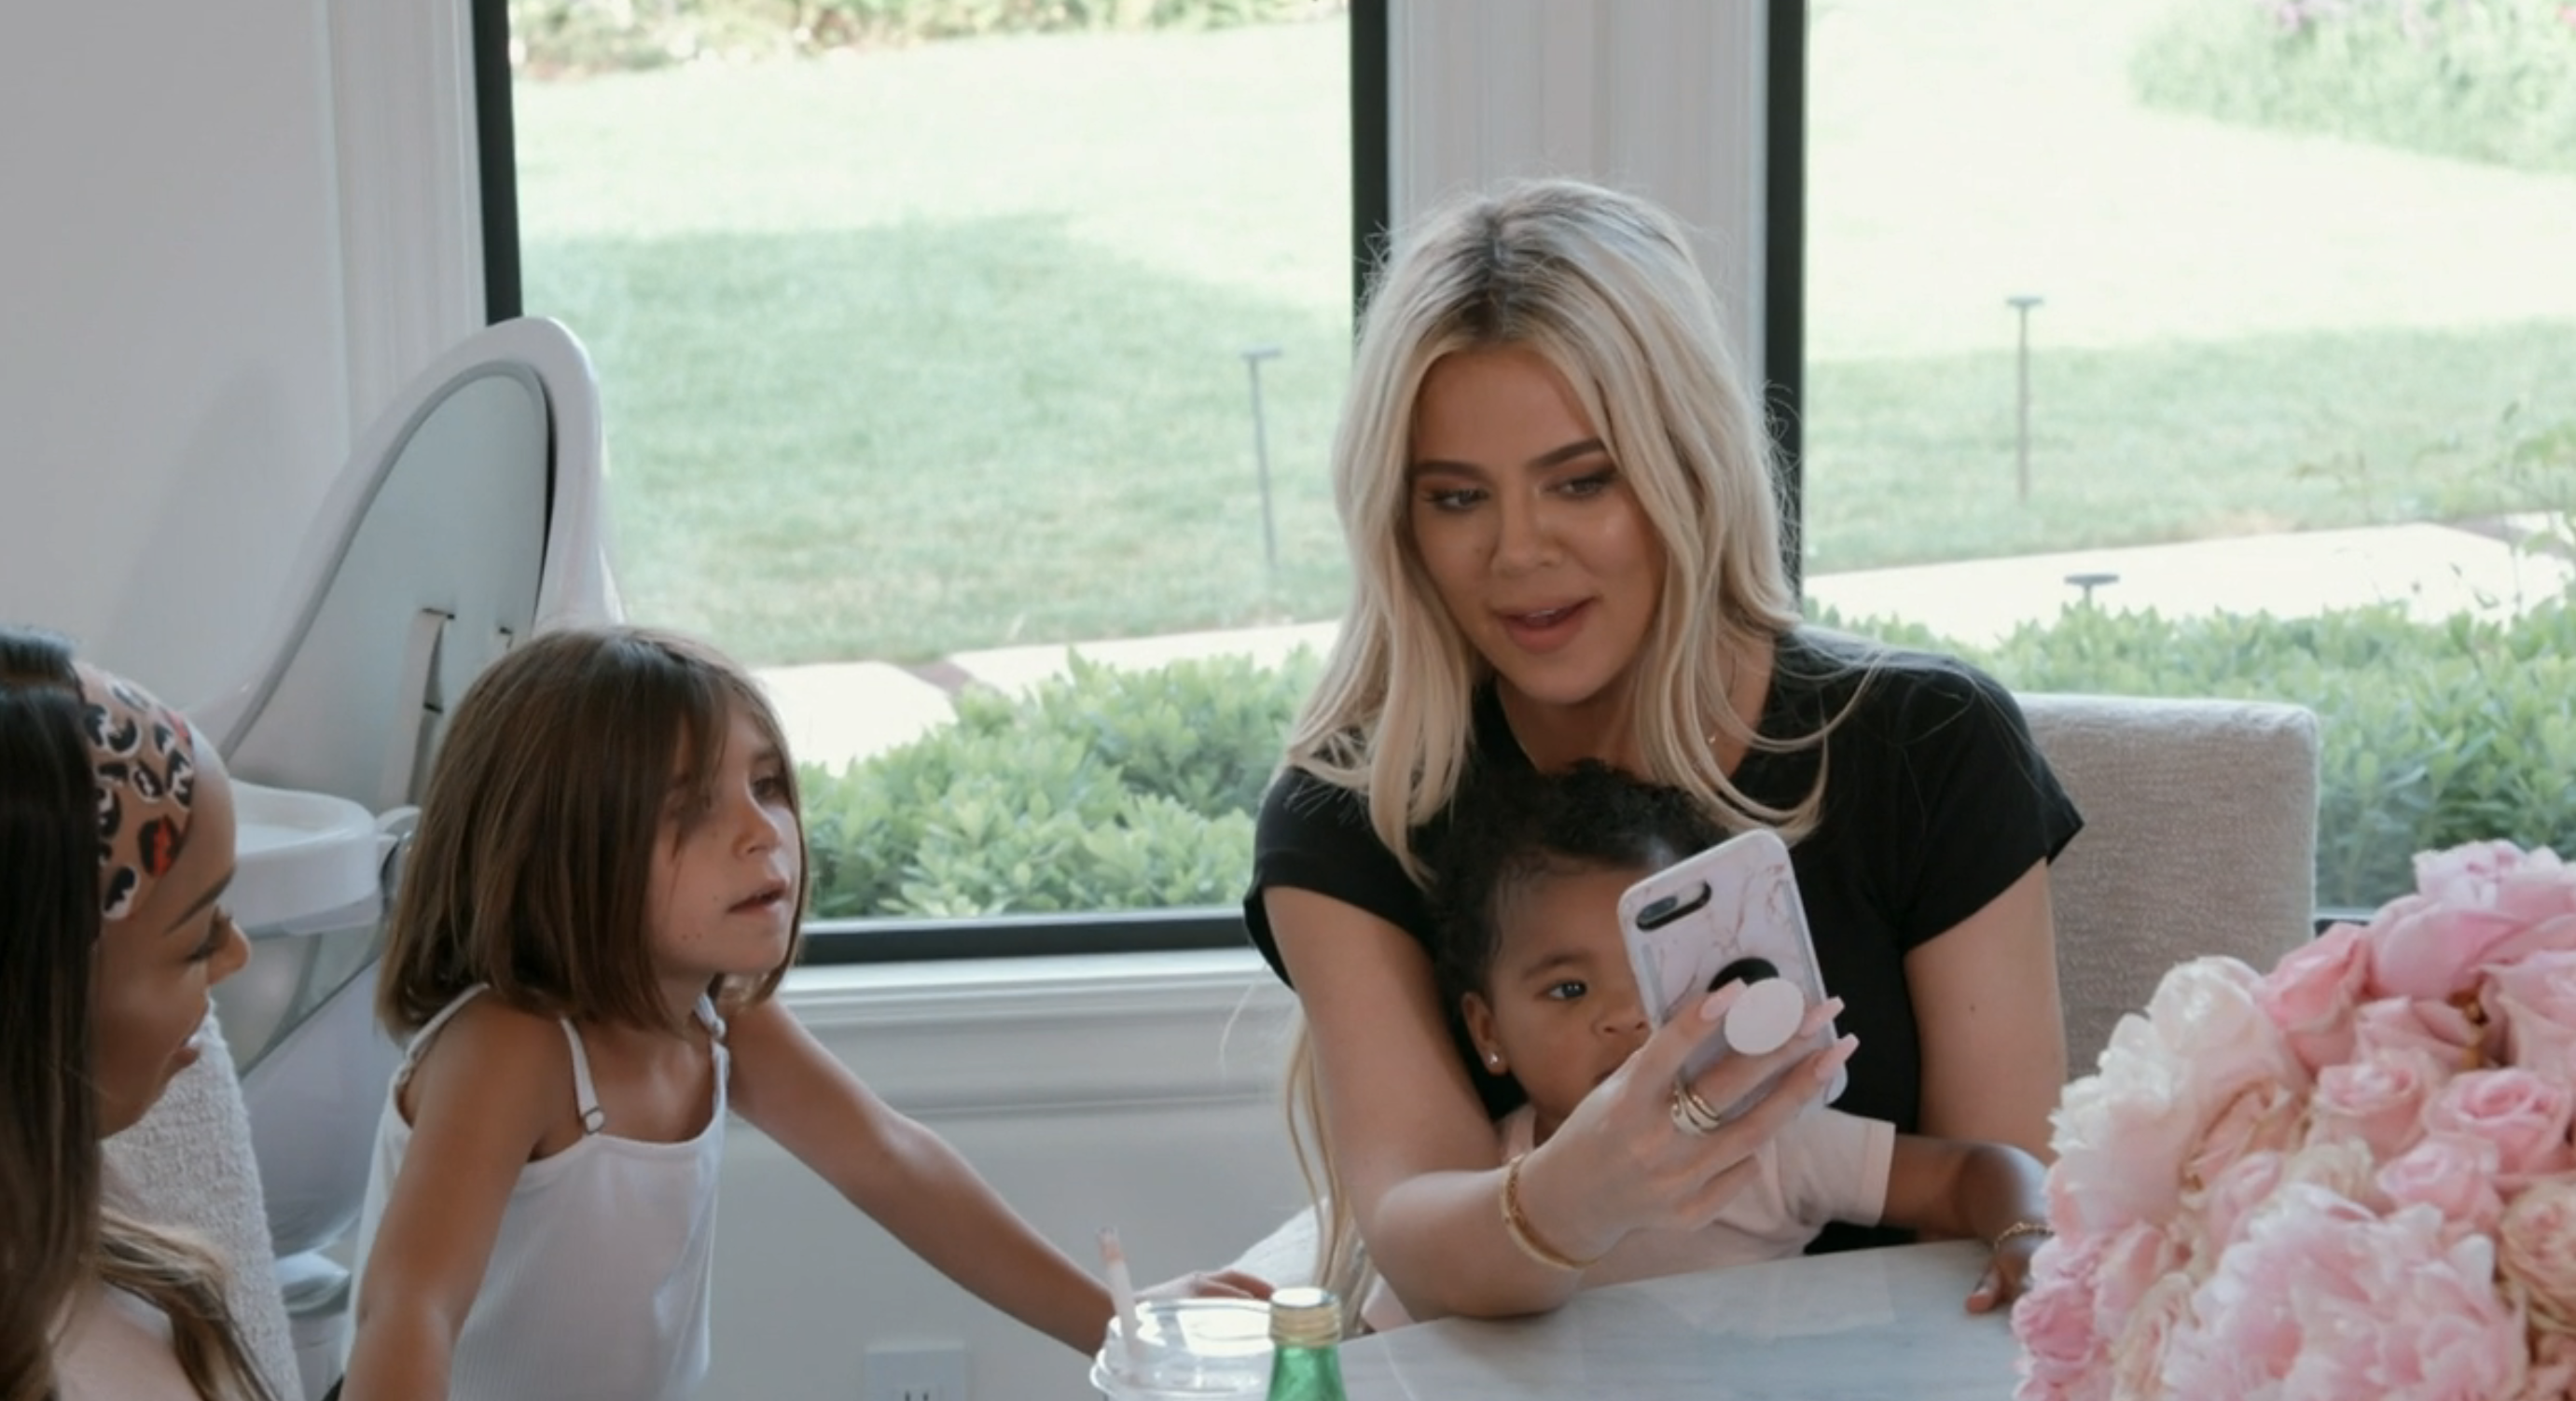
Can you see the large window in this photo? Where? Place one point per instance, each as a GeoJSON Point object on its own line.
{"type": "Point", "coordinates": [2216, 347]}
{"type": "Point", "coordinates": [940, 343]}
{"type": "Point", "coordinates": [2164, 346]}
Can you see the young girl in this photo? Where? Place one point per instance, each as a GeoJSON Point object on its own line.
{"type": "Point", "coordinates": [1531, 955]}
{"type": "Point", "coordinates": [116, 841]}
{"type": "Point", "coordinates": [604, 893]}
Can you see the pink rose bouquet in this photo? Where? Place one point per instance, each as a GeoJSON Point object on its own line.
{"type": "Point", "coordinates": [2350, 1176]}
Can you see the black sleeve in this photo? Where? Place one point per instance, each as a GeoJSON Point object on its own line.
{"type": "Point", "coordinates": [1312, 835]}
{"type": "Point", "coordinates": [1986, 807]}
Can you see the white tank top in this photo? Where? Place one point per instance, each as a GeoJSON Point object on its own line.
{"type": "Point", "coordinates": [599, 1279]}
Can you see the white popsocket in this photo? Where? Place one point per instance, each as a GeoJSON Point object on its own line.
{"type": "Point", "coordinates": [1765, 1015]}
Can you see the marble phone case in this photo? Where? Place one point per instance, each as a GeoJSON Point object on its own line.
{"type": "Point", "coordinates": [1689, 926]}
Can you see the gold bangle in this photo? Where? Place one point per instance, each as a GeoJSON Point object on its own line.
{"type": "Point", "coordinates": [1518, 1225]}
{"type": "Point", "coordinates": [2019, 1229]}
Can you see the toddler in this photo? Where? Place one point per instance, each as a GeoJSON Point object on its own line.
{"type": "Point", "coordinates": [1527, 888]}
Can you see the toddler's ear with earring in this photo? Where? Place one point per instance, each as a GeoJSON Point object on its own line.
{"type": "Point", "coordinates": [1480, 1030]}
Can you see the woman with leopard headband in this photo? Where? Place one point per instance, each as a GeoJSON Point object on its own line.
{"type": "Point", "coordinates": [116, 841]}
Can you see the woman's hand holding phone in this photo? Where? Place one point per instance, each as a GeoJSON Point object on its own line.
{"type": "Point", "coordinates": [1730, 913]}
{"type": "Point", "coordinates": [1625, 1160]}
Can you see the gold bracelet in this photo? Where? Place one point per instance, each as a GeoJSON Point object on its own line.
{"type": "Point", "coordinates": [2019, 1229]}
{"type": "Point", "coordinates": [1518, 1224]}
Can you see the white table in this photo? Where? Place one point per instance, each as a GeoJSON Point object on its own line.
{"type": "Point", "coordinates": [1872, 1323]}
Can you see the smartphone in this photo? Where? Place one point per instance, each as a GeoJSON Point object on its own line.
{"type": "Point", "coordinates": [1730, 913]}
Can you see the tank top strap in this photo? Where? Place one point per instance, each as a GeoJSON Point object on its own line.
{"type": "Point", "coordinates": [585, 1094]}
{"type": "Point", "coordinates": [708, 1018]}
{"type": "Point", "coordinates": [420, 1039]}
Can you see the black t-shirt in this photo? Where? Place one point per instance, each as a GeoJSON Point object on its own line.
{"type": "Point", "coordinates": [1936, 802]}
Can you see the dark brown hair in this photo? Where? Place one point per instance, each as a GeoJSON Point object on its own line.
{"type": "Point", "coordinates": [532, 868]}
{"type": "Point", "coordinates": [54, 1234]}
{"type": "Point", "coordinates": [1515, 827]}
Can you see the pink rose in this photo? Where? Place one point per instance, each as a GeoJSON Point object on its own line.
{"type": "Point", "coordinates": [2127, 1267]}
{"type": "Point", "coordinates": [2311, 995]}
{"type": "Point", "coordinates": [2265, 1116]}
{"type": "Point", "coordinates": [2553, 1367]}
{"type": "Point", "coordinates": [2063, 1356]}
{"type": "Point", "coordinates": [2254, 1310]}
{"type": "Point", "coordinates": [2229, 1200]}
{"type": "Point", "coordinates": [2530, 886]}
{"type": "Point", "coordinates": [2123, 1133]}
{"type": "Point", "coordinates": [2437, 1029]}
{"type": "Point", "coordinates": [2324, 1299]}
{"type": "Point", "coordinates": [2524, 1114]}
{"type": "Point", "coordinates": [2424, 949]}
{"type": "Point", "coordinates": [2535, 1000]}
{"type": "Point", "coordinates": [2377, 1101]}
{"type": "Point", "coordinates": [2345, 1169]}
{"type": "Point", "coordinates": [2120, 1135]}
{"type": "Point", "coordinates": [2478, 904]}
{"type": "Point", "coordinates": [2431, 1326]}
{"type": "Point", "coordinates": [2454, 1175]}
{"type": "Point", "coordinates": [2138, 1353]}
{"type": "Point", "coordinates": [2536, 1247]}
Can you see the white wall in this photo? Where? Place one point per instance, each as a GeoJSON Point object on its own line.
{"type": "Point", "coordinates": [172, 390]}
{"type": "Point", "coordinates": [1136, 1091]}
{"type": "Point", "coordinates": [191, 334]}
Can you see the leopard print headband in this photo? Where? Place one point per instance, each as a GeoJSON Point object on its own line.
{"type": "Point", "coordinates": [145, 759]}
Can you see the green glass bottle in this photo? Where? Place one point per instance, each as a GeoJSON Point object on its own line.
{"type": "Point", "coordinates": [1305, 1338]}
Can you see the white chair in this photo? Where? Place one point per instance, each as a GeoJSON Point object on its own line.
{"type": "Point", "coordinates": [2200, 837]}
{"type": "Point", "coordinates": [2200, 828]}
{"type": "Point", "coordinates": [468, 516]}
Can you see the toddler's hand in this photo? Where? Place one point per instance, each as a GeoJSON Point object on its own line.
{"type": "Point", "coordinates": [1203, 1284]}
{"type": "Point", "coordinates": [2007, 1273]}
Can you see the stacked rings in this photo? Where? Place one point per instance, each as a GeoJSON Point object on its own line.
{"type": "Point", "coordinates": [1691, 1113]}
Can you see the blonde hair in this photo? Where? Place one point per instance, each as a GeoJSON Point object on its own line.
{"type": "Point", "coordinates": [1341, 1258]}
{"type": "Point", "coordinates": [1604, 287]}
{"type": "Point", "coordinates": [532, 869]}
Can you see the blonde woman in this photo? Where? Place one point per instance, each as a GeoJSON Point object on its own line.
{"type": "Point", "coordinates": [116, 841]}
{"type": "Point", "coordinates": [1557, 495]}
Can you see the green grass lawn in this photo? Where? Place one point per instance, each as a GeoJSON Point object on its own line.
{"type": "Point", "coordinates": [1913, 460]}
{"type": "Point", "coordinates": [917, 351]}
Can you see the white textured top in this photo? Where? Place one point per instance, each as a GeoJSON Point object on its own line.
{"type": "Point", "coordinates": [113, 1346]}
{"type": "Point", "coordinates": [599, 1278]}
{"type": "Point", "coordinates": [1824, 1166]}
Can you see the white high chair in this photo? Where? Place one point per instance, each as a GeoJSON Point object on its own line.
{"type": "Point", "coordinates": [468, 517]}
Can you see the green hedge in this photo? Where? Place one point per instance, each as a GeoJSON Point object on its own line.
{"type": "Point", "coordinates": [1104, 789]}
{"type": "Point", "coordinates": [2433, 734]}
{"type": "Point", "coordinates": [2485, 80]}
{"type": "Point", "coordinates": [551, 37]}
{"type": "Point", "coordinates": [1112, 789]}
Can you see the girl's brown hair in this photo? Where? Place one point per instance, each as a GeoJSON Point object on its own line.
{"type": "Point", "coordinates": [532, 868]}
{"type": "Point", "coordinates": [55, 1236]}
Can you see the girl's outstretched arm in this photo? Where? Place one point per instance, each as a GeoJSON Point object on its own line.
{"type": "Point", "coordinates": [1990, 1192]}
{"type": "Point", "coordinates": [906, 1177]}
{"type": "Point", "coordinates": [480, 1103]}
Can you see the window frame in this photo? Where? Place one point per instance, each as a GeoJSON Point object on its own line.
{"type": "Point", "coordinates": [903, 940]}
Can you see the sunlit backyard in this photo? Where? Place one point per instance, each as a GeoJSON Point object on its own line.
{"type": "Point", "coordinates": [913, 350]}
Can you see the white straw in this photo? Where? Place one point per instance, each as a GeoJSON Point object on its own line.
{"type": "Point", "coordinates": [1122, 1292]}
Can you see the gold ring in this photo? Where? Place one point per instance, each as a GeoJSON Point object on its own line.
{"type": "Point", "coordinates": [1691, 1113]}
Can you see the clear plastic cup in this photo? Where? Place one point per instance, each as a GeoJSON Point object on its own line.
{"type": "Point", "coordinates": [1188, 1350]}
